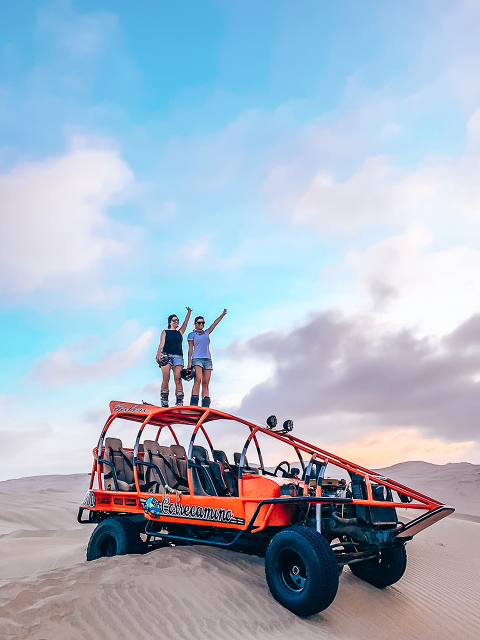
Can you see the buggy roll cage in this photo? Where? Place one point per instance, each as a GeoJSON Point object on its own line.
{"type": "Point", "coordinates": [198, 417]}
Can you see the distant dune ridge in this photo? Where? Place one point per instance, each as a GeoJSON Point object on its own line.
{"type": "Point", "coordinates": [49, 592]}
{"type": "Point", "coordinates": [455, 483]}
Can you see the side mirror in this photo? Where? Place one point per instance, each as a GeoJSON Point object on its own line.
{"type": "Point", "coordinates": [272, 422]}
{"type": "Point", "coordinates": [288, 425]}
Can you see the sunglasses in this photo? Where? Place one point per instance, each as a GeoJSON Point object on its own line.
{"type": "Point", "coordinates": [200, 322]}
{"type": "Point", "coordinates": [175, 320]}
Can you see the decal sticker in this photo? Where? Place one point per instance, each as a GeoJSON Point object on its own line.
{"type": "Point", "coordinates": [104, 500]}
{"type": "Point", "coordinates": [118, 501]}
{"type": "Point", "coordinates": [164, 507]}
{"type": "Point", "coordinates": [133, 409]}
{"type": "Point", "coordinates": [130, 502]}
{"type": "Point", "coordinates": [89, 500]}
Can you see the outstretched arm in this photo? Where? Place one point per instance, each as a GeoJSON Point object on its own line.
{"type": "Point", "coordinates": [215, 322]}
{"type": "Point", "coordinates": [185, 322]}
{"type": "Point", "coordinates": [160, 346]}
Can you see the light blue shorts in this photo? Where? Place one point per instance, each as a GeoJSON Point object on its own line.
{"type": "Point", "coordinates": [205, 363]}
{"type": "Point", "coordinates": [174, 360]}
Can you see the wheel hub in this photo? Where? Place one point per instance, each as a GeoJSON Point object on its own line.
{"type": "Point", "coordinates": [292, 571]}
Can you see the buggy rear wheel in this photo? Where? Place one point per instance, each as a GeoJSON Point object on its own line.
{"type": "Point", "coordinates": [383, 571]}
{"type": "Point", "coordinates": [115, 536]}
{"type": "Point", "coordinates": [301, 570]}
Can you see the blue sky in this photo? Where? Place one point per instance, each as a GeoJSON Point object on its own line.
{"type": "Point", "coordinates": [305, 165]}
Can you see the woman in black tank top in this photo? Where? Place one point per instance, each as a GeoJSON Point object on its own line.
{"type": "Point", "coordinates": [170, 357]}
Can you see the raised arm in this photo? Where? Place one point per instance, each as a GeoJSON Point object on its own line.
{"type": "Point", "coordinates": [185, 322]}
{"type": "Point", "coordinates": [160, 346]}
{"type": "Point", "coordinates": [215, 322]}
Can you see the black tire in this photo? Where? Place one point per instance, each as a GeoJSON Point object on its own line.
{"type": "Point", "coordinates": [115, 536]}
{"type": "Point", "coordinates": [301, 570]}
{"type": "Point", "coordinates": [383, 571]}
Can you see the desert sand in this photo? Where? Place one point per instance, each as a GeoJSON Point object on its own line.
{"type": "Point", "coordinates": [48, 591]}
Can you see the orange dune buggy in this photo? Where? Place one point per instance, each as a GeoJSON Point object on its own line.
{"type": "Point", "coordinates": [308, 520]}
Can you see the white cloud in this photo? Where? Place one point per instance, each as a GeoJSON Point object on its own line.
{"type": "Point", "coordinates": [410, 285]}
{"type": "Point", "coordinates": [375, 193]}
{"type": "Point", "coordinates": [73, 364]}
{"type": "Point", "coordinates": [54, 223]}
{"type": "Point", "coordinates": [440, 192]}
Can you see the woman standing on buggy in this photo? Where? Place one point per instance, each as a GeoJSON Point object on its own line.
{"type": "Point", "coordinates": [200, 358]}
{"type": "Point", "coordinates": [170, 357]}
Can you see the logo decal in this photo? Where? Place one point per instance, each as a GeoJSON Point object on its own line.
{"type": "Point", "coordinates": [156, 508]}
{"type": "Point", "coordinates": [133, 409]}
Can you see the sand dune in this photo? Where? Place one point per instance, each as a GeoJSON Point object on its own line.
{"type": "Point", "coordinates": [48, 591]}
{"type": "Point", "coordinates": [456, 484]}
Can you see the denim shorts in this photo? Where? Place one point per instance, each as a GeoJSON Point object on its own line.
{"type": "Point", "coordinates": [174, 360]}
{"type": "Point", "coordinates": [205, 363]}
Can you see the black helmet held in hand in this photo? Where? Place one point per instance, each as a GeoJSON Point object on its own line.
{"type": "Point", "coordinates": [187, 374]}
{"type": "Point", "coordinates": [163, 360]}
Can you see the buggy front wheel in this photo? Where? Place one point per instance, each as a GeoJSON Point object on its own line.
{"type": "Point", "coordinates": [301, 570]}
{"type": "Point", "coordinates": [115, 536]}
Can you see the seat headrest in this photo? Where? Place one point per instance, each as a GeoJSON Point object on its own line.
{"type": "Point", "coordinates": [178, 451]}
{"type": "Point", "coordinates": [237, 456]}
{"type": "Point", "coordinates": [200, 453]}
{"type": "Point", "coordinates": [113, 443]}
{"type": "Point", "coordinates": [151, 446]}
{"type": "Point", "coordinates": [220, 456]}
{"type": "Point", "coordinates": [164, 451]}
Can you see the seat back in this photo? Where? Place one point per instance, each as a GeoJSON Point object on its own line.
{"type": "Point", "coordinates": [153, 479]}
{"type": "Point", "coordinates": [228, 473]}
{"type": "Point", "coordinates": [122, 463]}
{"type": "Point", "coordinates": [213, 469]}
{"type": "Point", "coordinates": [204, 482]}
{"type": "Point", "coordinates": [180, 457]}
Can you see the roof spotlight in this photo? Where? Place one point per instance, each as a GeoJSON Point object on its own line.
{"type": "Point", "coordinates": [288, 425]}
{"type": "Point", "coordinates": [272, 422]}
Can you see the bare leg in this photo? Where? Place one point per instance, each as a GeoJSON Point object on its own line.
{"type": "Point", "coordinates": [207, 374]}
{"type": "Point", "coordinates": [197, 380]}
{"type": "Point", "coordinates": [166, 377]}
{"type": "Point", "coordinates": [178, 378]}
{"type": "Point", "coordinates": [164, 387]}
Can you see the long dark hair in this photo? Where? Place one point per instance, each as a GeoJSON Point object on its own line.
{"type": "Point", "coordinates": [169, 319]}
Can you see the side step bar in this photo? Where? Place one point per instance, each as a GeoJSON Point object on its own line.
{"type": "Point", "coordinates": [426, 520]}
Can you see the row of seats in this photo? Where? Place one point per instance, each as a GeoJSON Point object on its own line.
{"type": "Point", "coordinates": [217, 477]}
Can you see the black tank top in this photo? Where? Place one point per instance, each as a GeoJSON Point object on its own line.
{"type": "Point", "coordinates": [173, 342]}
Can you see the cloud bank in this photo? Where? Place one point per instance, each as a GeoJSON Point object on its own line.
{"type": "Point", "coordinates": [371, 376]}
